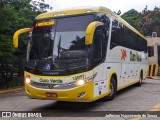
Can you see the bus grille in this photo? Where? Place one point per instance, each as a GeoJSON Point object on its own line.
{"type": "Point", "coordinates": [53, 86]}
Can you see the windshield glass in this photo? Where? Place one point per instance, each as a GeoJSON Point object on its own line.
{"type": "Point", "coordinates": [59, 42]}
{"type": "Point", "coordinates": [42, 40]}
{"type": "Point", "coordinates": [69, 47]}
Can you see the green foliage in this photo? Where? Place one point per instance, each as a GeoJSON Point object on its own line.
{"type": "Point", "coordinates": [7, 14]}
{"type": "Point", "coordinates": [150, 21]}
{"type": "Point", "coordinates": [132, 17]}
{"type": "Point", "coordinates": [15, 14]}
{"type": "Point", "coordinates": [146, 22]}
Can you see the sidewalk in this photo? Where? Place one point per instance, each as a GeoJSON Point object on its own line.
{"type": "Point", "coordinates": [11, 90]}
{"type": "Point", "coordinates": [154, 77]}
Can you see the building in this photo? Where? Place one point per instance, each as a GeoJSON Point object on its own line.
{"type": "Point", "coordinates": [153, 54]}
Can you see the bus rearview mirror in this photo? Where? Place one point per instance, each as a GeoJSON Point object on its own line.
{"type": "Point", "coordinates": [90, 32]}
{"type": "Point", "coordinates": [16, 35]}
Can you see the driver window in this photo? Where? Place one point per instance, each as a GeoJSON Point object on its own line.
{"type": "Point", "coordinates": [98, 45]}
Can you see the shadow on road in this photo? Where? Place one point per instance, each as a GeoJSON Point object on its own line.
{"type": "Point", "coordinates": [80, 106]}
{"type": "Point", "coordinates": [128, 89]}
{"type": "Point", "coordinates": [71, 106]}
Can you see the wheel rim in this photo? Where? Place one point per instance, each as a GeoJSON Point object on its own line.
{"type": "Point", "coordinates": [111, 90]}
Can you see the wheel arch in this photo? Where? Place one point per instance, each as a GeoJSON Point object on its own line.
{"type": "Point", "coordinates": [113, 74]}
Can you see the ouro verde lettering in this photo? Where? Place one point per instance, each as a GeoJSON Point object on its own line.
{"type": "Point", "coordinates": [50, 80]}
{"type": "Point", "coordinates": [56, 81]}
{"type": "Point", "coordinates": [43, 80]}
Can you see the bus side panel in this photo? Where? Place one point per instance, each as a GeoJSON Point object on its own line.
{"type": "Point", "coordinates": [124, 74]}
{"type": "Point", "coordinates": [119, 55]}
{"type": "Point", "coordinates": [134, 69]}
{"type": "Point", "coordinates": [104, 73]}
{"type": "Point", "coordinates": [110, 69]}
{"type": "Point", "coordinates": [99, 82]}
{"type": "Point", "coordinates": [131, 66]}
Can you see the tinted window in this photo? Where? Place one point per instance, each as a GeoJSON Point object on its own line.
{"type": "Point", "coordinates": [150, 51]}
{"type": "Point", "coordinates": [100, 44]}
{"type": "Point", "coordinates": [77, 23]}
{"type": "Point", "coordinates": [103, 18]}
{"type": "Point", "coordinates": [42, 41]}
{"type": "Point", "coordinates": [123, 36]}
{"type": "Point", "coordinates": [142, 44]}
{"type": "Point", "coordinates": [70, 33]}
{"type": "Point", "coordinates": [116, 38]}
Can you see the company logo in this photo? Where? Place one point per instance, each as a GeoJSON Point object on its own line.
{"type": "Point", "coordinates": [47, 67]}
{"type": "Point", "coordinates": [20, 114]}
{"type": "Point", "coordinates": [135, 56]}
{"type": "Point", "coordinates": [50, 86]}
{"type": "Point", "coordinates": [6, 114]}
{"type": "Point", "coordinates": [124, 54]}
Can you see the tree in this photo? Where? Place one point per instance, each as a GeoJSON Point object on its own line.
{"type": "Point", "coordinates": [132, 17]}
{"type": "Point", "coordinates": [146, 22]}
{"type": "Point", "coordinates": [15, 14]}
{"type": "Point", "coordinates": [150, 21]}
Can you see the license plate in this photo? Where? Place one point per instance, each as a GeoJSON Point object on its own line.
{"type": "Point", "coordinates": [49, 94]}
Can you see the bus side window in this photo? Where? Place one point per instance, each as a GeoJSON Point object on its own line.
{"type": "Point", "coordinates": [98, 47]}
{"type": "Point", "coordinates": [116, 34]}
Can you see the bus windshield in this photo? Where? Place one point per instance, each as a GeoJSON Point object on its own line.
{"type": "Point", "coordinates": [60, 42]}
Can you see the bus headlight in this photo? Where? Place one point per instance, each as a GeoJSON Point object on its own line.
{"type": "Point", "coordinates": [28, 80]}
{"type": "Point", "coordinates": [82, 82]}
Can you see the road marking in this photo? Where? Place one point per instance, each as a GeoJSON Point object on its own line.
{"type": "Point", "coordinates": [155, 108]}
{"type": "Point", "coordinates": [153, 78]}
{"type": "Point", "coordinates": [11, 90]}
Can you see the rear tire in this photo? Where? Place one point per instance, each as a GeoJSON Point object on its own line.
{"type": "Point", "coordinates": [113, 90]}
{"type": "Point", "coordinates": [140, 80]}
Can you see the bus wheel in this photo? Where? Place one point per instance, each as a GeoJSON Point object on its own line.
{"type": "Point", "coordinates": [113, 90]}
{"type": "Point", "coordinates": [140, 80]}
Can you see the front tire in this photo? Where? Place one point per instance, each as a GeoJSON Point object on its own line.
{"type": "Point", "coordinates": [113, 91]}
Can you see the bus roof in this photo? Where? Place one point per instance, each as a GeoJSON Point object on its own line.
{"type": "Point", "coordinates": [83, 10]}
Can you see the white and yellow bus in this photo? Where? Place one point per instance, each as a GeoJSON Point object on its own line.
{"type": "Point", "coordinates": [82, 54]}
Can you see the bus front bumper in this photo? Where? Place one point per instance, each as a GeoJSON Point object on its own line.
{"type": "Point", "coordinates": [80, 94]}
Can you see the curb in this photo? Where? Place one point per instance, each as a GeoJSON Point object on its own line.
{"type": "Point", "coordinates": [11, 90]}
{"type": "Point", "coordinates": [154, 78]}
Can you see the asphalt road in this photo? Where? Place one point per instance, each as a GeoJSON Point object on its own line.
{"type": "Point", "coordinates": [134, 98]}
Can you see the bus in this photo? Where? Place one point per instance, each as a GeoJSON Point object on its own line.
{"type": "Point", "coordinates": [82, 55]}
